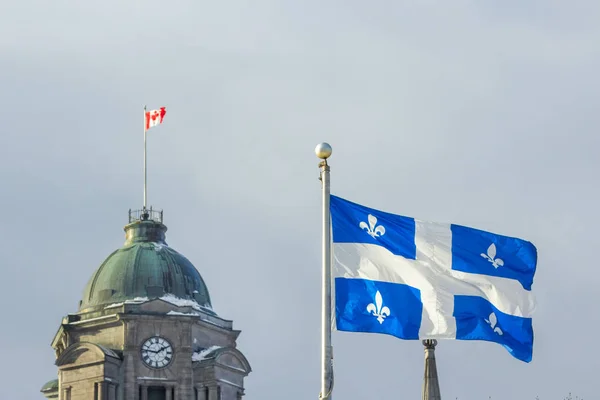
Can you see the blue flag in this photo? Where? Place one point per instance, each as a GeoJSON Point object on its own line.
{"type": "Point", "coordinates": [424, 280]}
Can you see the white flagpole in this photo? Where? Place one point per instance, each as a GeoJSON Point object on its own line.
{"type": "Point", "coordinates": [145, 168]}
{"type": "Point", "coordinates": [323, 151]}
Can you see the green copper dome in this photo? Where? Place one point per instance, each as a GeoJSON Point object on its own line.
{"type": "Point", "coordinates": [144, 267]}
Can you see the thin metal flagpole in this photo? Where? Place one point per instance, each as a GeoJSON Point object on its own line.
{"type": "Point", "coordinates": [145, 164]}
{"type": "Point", "coordinates": [323, 151]}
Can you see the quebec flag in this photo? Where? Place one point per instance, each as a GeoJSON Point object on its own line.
{"type": "Point", "coordinates": [422, 280]}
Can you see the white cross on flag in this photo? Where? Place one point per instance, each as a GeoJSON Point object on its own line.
{"type": "Point", "coordinates": [155, 117]}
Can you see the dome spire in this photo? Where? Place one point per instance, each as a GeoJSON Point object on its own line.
{"type": "Point", "coordinates": [431, 384]}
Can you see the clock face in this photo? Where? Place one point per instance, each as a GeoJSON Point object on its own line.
{"type": "Point", "coordinates": [157, 352]}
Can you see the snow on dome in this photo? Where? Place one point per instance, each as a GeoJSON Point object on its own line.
{"type": "Point", "coordinates": [201, 355]}
{"type": "Point", "coordinates": [183, 313]}
{"type": "Point", "coordinates": [177, 301]}
{"type": "Point", "coordinates": [137, 300]}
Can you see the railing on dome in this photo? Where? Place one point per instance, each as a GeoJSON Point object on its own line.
{"type": "Point", "coordinates": [147, 214]}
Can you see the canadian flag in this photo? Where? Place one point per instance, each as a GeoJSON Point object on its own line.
{"type": "Point", "coordinates": [155, 117]}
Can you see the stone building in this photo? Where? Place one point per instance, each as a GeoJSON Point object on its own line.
{"type": "Point", "coordinates": [145, 329]}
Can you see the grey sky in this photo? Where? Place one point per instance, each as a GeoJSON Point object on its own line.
{"type": "Point", "coordinates": [474, 112]}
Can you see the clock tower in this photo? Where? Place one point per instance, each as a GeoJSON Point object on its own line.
{"type": "Point", "coordinates": [146, 330]}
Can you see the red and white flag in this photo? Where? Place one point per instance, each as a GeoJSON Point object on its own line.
{"type": "Point", "coordinates": [155, 117]}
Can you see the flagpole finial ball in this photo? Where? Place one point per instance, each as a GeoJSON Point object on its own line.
{"type": "Point", "coordinates": [323, 150]}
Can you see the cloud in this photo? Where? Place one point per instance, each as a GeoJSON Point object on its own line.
{"type": "Point", "coordinates": [473, 113]}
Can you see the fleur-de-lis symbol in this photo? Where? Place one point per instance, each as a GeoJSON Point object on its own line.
{"type": "Point", "coordinates": [493, 322]}
{"type": "Point", "coordinates": [372, 229]}
{"type": "Point", "coordinates": [491, 256]}
{"type": "Point", "coordinates": [377, 310]}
